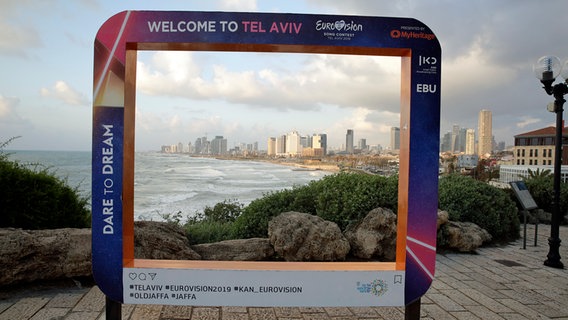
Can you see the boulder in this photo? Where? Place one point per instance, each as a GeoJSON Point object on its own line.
{"type": "Point", "coordinates": [443, 218]}
{"type": "Point", "coordinates": [30, 255]}
{"type": "Point", "coordinates": [255, 249]}
{"type": "Point", "coordinates": [299, 236]}
{"type": "Point", "coordinates": [161, 240]}
{"type": "Point", "coordinates": [464, 236]}
{"type": "Point", "coordinates": [374, 237]}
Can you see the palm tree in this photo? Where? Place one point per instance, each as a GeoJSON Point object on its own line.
{"type": "Point", "coordinates": [539, 173]}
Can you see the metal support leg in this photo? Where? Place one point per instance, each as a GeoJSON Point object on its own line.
{"type": "Point", "coordinates": [113, 310]}
{"type": "Point", "coordinates": [412, 311]}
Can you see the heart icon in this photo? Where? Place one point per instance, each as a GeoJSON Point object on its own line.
{"type": "Point", "coordinates": [339, 25]}
{"type": "Point", "coordinates": [132, 275]}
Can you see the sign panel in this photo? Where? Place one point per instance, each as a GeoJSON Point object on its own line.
{"type": "Point", "coordinates": [125, 279]}
{"type": "Point", "coordinates": [206, 287]}
{"type": "Point", "coordinates": [523, 194]}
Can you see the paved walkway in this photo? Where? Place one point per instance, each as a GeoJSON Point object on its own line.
{"type": "Point", "coordinates": [496, 283]}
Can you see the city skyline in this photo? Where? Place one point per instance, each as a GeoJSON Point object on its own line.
{"type": "Point", "coordinates": [280, 144]}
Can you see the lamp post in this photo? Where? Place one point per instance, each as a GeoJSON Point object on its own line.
{"type": "Point", "coordinates": [546, 70]}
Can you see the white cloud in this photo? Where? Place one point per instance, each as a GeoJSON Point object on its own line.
{"type": "Point", "coordinates": [346, 81]}
{"type": "Point", "coordinates": [527, 120]}
{"type": "Point", "coordinates": [238, 5]}
{"type": "Point", "coordinates": [62, 91]}
{"type": "Point", "coordinates": [16, 39]}
{"type": "Point", "coordinates": [473, 71]}
{"type": "Point", "coordinates": [8, 112]}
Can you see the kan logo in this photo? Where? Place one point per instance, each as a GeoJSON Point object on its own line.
{"type": "Point", "coordinates": [427, 60]}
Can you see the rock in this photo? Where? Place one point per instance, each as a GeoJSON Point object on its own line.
{"type": "Point", "coordinates": [464, 236]}
{"type": "Point", "coordinates": [299, 236]}
{"type": "Point", "coordinates": [27, 256]}
{"type": "Point", "coordinates": [374, 236]}
{"type": "Point", "coordinates": [161, 240]}
{"type": "Point", "coordinates": [443, 218]}
{"type": "Point", "coordinates": [255, 249]}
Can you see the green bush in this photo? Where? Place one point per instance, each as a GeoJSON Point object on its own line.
{"type": "Point", "coordinates": [541, 187]}
{"type": "Point", "coordinates": [253, 222]}
{"type": "Point", "coordinates": [214, 223]}
{"type": "Point", "coordinates": [466, 199]}
{"type": "Point", "coordinates": [347, 197]}
{"type": "Point", "coordinates": [208, 231]}
{"type": "Point", "coordinates": [226, 211]}
{"type": "Point", "coordinates": [341, 198]}
{"type": "Point", "coordinates": [32, 198]}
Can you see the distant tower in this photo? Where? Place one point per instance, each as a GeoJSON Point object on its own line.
{"type": "Point", "coordinates": [470, 141]}
{"type": "Point", "coordinates": [485, 136]}
{"type": "Point", "coordinates": [320, 141]}
{"type": "Point", "coordinates": [293, 144]}
{"type": "Point", "coordinates": [271, 146]}
{"type": "Point", "coordinates": [395, 138]}
{"type": "Point", "coordinates": [349, 141]}
{"type": "Point", "coordinates": [281, 145]}
{"type": "Point", "coordinates": [362, 144]}
{"type": "Point", "coordinates": [219, 145]}
{"type": "Point", "coordinates": [462, 138]}
{"type": "Point", "coordinates": [455, 146]}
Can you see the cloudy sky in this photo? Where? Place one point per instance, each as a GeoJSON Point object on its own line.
{"type": "Point", "coordinates": [488, 48]}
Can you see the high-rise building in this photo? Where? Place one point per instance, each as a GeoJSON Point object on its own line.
{"type": "Point", "coordinates": [293, 144]}
{"type": "Point", "coordinates": [455, 136]}
{"type": "Point", "coordinates": [271, 146]}
{"type": "Point", "coordinates": [319, 141]}
{"type": "Point", "coordinates": [281, 145]}
{"type": "Point", "coordinates": [446, 142]}
{"type": "Point", "coordinates": [362, 144]}
{"type": "Point", "coordinates": [323, 141]}
{"type": "Point", "coordinates": [470, 141]}
{"type": "Point", "coordinates": [219, 145]}
{"type": "Point", "coordinates": [485, 136]}
{"type": "Point", "coordinates": [197, 145]}
{"type": "Point", "coordinates": [462, 139]}
{"type": "Point", "coordinates": [395, 138]}
{"type": "Point", "coordinates": [349, 141]}
{"type": "Point", "coordinates": [306, 141]}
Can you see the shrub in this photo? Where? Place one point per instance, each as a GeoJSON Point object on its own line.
{"type": "Point", "coordinates": [341, 198]}
{"type": "Point", "coordinates": [208, 231]}
{"type": "Point", "coordinates": [347, 197]}
{"type": "Point", "coordinates": [214, 223]}
{"type": "Point", "coordinates": [541, 188]}
{"type": "Point", "coordinates": [466, 199]}
{"type": "Point", "coordinates": [253, 222]}
{"type": "Point", "coordinates": [32, 198]}
{"type": "Point", "coordinates": [226, 211]}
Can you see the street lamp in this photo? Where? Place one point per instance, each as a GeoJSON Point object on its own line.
{"type": "Point", "coordinates": [546, 69]}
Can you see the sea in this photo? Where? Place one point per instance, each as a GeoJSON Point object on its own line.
{"type": "Point", "coordinates": [167, 184]}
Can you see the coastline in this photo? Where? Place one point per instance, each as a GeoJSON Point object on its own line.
{"type": "Point", "coordinates": [307, 166]}
{"type": "Point", "coordinates": [303, 165]}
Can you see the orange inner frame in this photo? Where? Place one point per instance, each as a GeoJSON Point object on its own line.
{"type": "Point", "coordinates": [128, 164]}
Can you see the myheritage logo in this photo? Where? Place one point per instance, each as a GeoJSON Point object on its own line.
{"type": "Point", "coordinates": [339, 25]}
{"type": "Point", "coordinates": [377, 287]}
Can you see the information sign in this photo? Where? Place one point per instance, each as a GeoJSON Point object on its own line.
{"type": "Point", "coordinates": [523, 195]}
{"type": "Point", "coordinates": [125, 279]}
